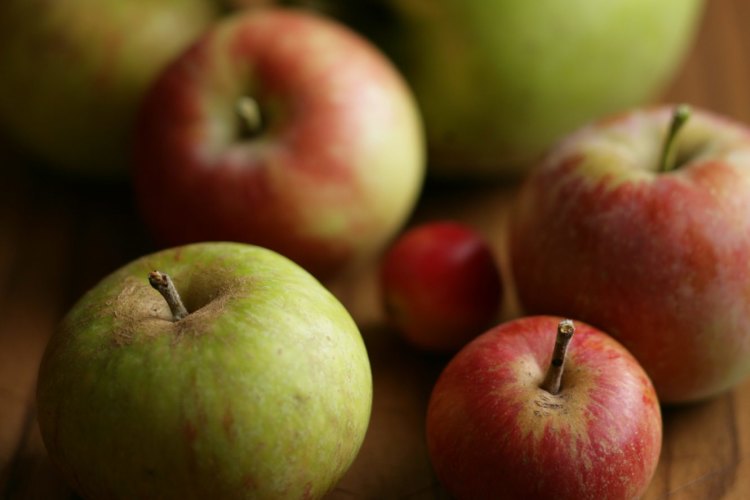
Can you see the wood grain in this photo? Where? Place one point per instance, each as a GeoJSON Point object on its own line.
{"type": "Point", "coordinates": [57, 238]}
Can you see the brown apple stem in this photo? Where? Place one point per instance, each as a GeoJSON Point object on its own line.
{"type": "Point", "coordinates": [164, 285]}
{"type": "Point", "coordinates": [250, 116]}
{"type": "Point", "coordinates": [669, 149]}
{"type": "Point", "coordinates": [552, 379]}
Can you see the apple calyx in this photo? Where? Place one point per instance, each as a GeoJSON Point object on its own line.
{"type": "Point", "coordinates": [162, 283]}
{"type": "Point", "coordinates": [250, 117]}
{"type": "Point", "coordinates": [552, 379]}
{"type": "Point", "coordinates": [680, 116]}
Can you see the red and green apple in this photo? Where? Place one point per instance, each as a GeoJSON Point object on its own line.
{"type": "Point", "coordinates": [246, 379]}
{"type": "Point", "coordinates": [284, 129]}
{"type": "Point", "coordinates": [642, 229]}
{"type": "Point", "coordinates": [541, 407]}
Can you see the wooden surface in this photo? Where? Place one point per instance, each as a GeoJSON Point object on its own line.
{"type": "Point", "coordinates": [58, 238]}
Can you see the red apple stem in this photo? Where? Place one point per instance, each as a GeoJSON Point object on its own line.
{"type": "Point", "coordinates": [553, 378]}
{"type": "Point", "coordinates": [250, 116]}
{"type": "Point", "coordinates": [680, 116]}
{"type": "Point", "coordinates": [164, 285]}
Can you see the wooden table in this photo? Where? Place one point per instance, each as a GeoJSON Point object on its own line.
{"type": "Point", "coordinates": [57, 238]}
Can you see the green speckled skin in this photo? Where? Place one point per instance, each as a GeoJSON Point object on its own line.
{"type": "Point", "coordinates": [263, 391]}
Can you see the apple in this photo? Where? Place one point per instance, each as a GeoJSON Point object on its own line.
{"type": "Point", "coordinates": [500, 81]}
{"type": "Point", "coordinates": [646, 235]}
{"type": "Point", "coordinates": [247, 380]}
{"type": "Point", "coordinates": [74, 71]}
{"type": "Point", "coordinates": [499, 426]}
{"type": "Point", "coordinates": [440, 285]}
{"type": "Point", "coordinates": [283, 129]}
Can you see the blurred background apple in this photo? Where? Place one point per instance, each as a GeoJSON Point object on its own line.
{"type": "Point", "coordinates": [500, 81]}
{"type": "Point", "coordinates": [284, 129]}
{"type": "Point", "coordinates": [73, 72]}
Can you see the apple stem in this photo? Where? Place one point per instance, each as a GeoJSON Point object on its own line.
{"type": "Point", "coordinates": [250, 116]}
{"type": "Point", "coordinates": [164, 285]}
{"type": "Point", "coordinates": [552, 379]}
{"type": "Point", "coordinates": [680, 116]}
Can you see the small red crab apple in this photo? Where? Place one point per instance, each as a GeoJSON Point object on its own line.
{"type": "Point", "coordinates": [441, 285]}
{"type": "Point", "coordinates": [531, 410]}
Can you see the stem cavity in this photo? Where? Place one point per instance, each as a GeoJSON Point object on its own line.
{"type": "Point", "coordinates": [680, 116]}
{"type": "Point", "coordinates": [164, 285]}
{"type": "Point", "coordinates": [551, 383]}
{"type": "Point", "coordinates": [251, 119]}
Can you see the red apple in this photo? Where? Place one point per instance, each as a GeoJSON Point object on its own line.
{"type": "Point", "coordinates": [282, 129]}
{"type": "Point", "coordinates": [655, 255]}
{"type": "Point", "coordinates": [440, 285]}
{"type": "Point", "coordinates": [499, 427]}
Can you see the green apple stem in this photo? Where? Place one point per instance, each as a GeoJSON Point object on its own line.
{"type": "Point", "coordinates": [251, 119]}
{"type": "Point", "coordinates": [669, 149]}
{"type": "Point", "coordinates": [552, 379]}
{"type": "Point", "coordinates": [164, 285]}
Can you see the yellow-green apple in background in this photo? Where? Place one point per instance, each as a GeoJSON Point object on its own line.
{"type": "Point", "coordinates": [539, 408]}
{"type": "Point", "coordinates": [73, 72]}
{"type": "Point", "coordinates": [248, 379]}
{"type": "Point", "coordinates": [643, 230]}
{"type": "Point", "coordinates": [284, 129]}
{"type": "Point", "coordinates": [498, 81]}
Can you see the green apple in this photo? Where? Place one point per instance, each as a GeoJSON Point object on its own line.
{"type": "Point", "coordinates": [500, 81]}
{"type": "Point", "coordinates": [73, 72]}
{"type": "Point", "coordinates": [260, 388]}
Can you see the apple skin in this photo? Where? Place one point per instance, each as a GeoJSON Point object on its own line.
{"type": "Point", "coordinates": [657, 260]}
{"type": "Point", "coordinates": [493, 432]}
{"type": "Point", "coordinates": [264, 390]}
{"type": "Point", "coordinates": [440, 285]}
{"type": "Point", "coordinates": [336, 169]}
{"type": "Point", "coordinates": [498, 82]}
{"type": "Point", "coordinates": [73, 73]}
